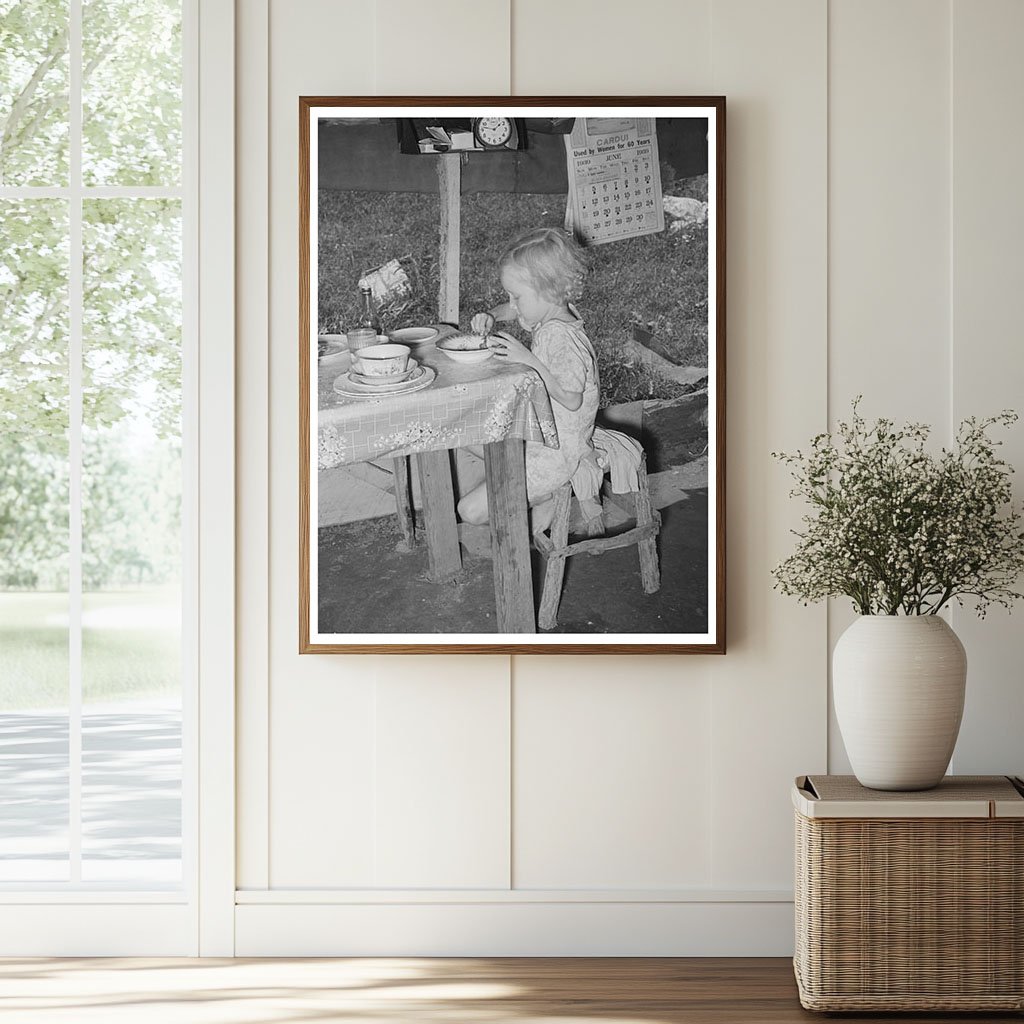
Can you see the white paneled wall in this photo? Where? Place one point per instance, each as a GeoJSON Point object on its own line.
{"type": "Point", "coordinates": [768, 694]}
{"type": "Point", "coordinates": [252, 464]}
{"type": "Point", "coordinates": [889, 208]}
{"type": "Point", "coordinates": [441, 48]}
{"type": "Point", "coordinates": [925, 221]}
{"type": "Point", "coordinates": [622, 805]}
{"type": "Point", "coordinates": [322, 815]}
{"type": "Point", "coordinates": [986, 371]}
{"type": "Point", "coordinates": [442, 800]}
{"type": "Point", "coordinates": [318, 819]}
{"type": "Point", "coordinates": [612, 780]}
{"type": "Point", "coordinates": [568, 48]}
{"type": "Point", "coordinates": [889, 244]}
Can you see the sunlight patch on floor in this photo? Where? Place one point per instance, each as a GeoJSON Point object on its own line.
{"type": "Point", "coordinates": [220, 991]}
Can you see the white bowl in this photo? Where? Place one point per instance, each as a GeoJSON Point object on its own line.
{"type": "Point", "coordinates": [381, 360]}
{"type": "Point", "coordinates": [457, 349]}
{"type": "Point", "coordinates": [413, 335]}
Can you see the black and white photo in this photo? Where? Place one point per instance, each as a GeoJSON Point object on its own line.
{"type": "Point", "coordinates": [512, 375]}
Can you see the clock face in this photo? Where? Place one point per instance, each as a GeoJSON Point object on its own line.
{"type": "Point", "coordinates": [494, 131]}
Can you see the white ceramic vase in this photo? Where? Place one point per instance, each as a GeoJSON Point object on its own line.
{"type": "Point", "coordinates": [898, 684]}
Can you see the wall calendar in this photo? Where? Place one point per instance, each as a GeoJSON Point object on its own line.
{"type": "Point", "coordinates": [614, 179]}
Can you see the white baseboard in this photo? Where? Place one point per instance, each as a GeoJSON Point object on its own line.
{"type": "Point", "coordinates": [514, 928]}
{"type": "Point", "coordinates": [99, 928]}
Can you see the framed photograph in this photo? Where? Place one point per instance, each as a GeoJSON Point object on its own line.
{"type": "Point", "coordinates": [512, 375]}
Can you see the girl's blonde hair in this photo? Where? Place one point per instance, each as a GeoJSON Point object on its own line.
{"type": "Point", "coordinates": [552, 260]}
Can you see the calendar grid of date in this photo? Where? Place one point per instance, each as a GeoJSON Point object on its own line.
{"type": "Point", "coordinates": [614, 179]}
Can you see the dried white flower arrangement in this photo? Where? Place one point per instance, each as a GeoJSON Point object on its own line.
{"type": "Point", "coordinates": [899, 530]}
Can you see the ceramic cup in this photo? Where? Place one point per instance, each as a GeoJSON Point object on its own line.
{"type": "Point", "coordinates": [381, 360]}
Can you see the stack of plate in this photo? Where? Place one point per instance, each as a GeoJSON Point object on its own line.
{"type": "Point", "coordinates": [361, 385]}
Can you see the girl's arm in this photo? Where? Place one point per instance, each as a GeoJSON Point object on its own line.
{"type": "Point", "coordinates": [503, 312]}
{"type": "Point", "coordinates": [506, 347]}
{"type": "Point", "coordinates": [572, 400]}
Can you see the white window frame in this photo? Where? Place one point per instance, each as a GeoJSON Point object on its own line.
{"type": "Point", "coordinates": [197, 918]}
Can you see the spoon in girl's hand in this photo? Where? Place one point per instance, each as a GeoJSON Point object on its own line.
{"type": "Point", "coordinates": [482, 325]}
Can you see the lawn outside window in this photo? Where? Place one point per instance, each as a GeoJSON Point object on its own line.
{"type": "Point", "coordinates": [97, 460]}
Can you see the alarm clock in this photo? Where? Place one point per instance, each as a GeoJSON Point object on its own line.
{"type": "Point", "coordinates": [495, 132]}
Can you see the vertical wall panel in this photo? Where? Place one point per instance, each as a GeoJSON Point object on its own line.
{"type": "Point", "coordinates": [442, 48]}
{"type": "Point", "coordinates": [602, 790]}
{"type": "Point", "coordinates": [987, 366]}
{"type": "Point", "coordinates": [889, 208]}
{"type": "Point", "coordinates": [322, 758]}
{"type": "Point", "coordinates": [324, 732]}
{"type": "Point", "coordinates": [443, 723]}
{"type": "Point", "coordinates": [252, 189]}
{"type": "Point", "coordinates": [579, 48]}
{"type": "Point", "coordinates": [442, 776]}
{"type": "Point", "coordinates": [321, 709]}
{"type": "Point", "coordinates": [889, 253]}
{"type": "Point", "coordinates": [769, 693]}
{"type": "Point", "coordinates": [612, 782]}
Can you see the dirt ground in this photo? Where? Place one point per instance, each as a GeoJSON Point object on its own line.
{"type": "Point", "coordinates": [369, 584]}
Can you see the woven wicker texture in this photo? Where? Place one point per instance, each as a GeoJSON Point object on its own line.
{"type": "Point", "coordinates": [959, 787]}
{"type": "Point", "coordinates": [912, 914]}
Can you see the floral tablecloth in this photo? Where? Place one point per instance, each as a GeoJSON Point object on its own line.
{"type": "Point", "coordinates": [466, 405]}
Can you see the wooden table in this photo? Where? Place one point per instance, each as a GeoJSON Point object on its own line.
{"type": "Point", "coordinates": [494, 404]}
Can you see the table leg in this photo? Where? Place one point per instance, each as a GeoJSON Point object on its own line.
{"type": "Point", "coordinates": [439, 515]}
{"type": "Point", "coordinates": [403, 500]}
{"type": "Point", "coordinates": [505, 463]}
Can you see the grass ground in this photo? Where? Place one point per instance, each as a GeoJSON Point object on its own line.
{"type": "Point", "coordinates": [130, 647]}
{"type": "Point", "coordinates": [658, 281]}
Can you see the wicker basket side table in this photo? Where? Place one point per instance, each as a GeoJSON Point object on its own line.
{"type": "Point", "coordinates": [910, 901]}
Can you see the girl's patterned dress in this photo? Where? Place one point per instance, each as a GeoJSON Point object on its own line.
{"type": "Point", "coordinates": [565, 349]}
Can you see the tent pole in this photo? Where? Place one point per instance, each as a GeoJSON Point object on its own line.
{"type": "Point", "coordinates": [449, 174]}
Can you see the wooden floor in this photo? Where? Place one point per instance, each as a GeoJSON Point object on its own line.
{"type": "Point", "coordinates": [382, 991]}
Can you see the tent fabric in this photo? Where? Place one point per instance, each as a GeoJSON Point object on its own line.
{"type": "Point", "coordinates": [366, 157]}
{"type": "Point", "coordinates": [411, 130]}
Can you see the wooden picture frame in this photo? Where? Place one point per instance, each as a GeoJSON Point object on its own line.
{"type": "Point", "coordinates": [384, 566]}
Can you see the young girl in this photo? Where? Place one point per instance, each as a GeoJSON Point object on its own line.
{"type": "Point", "coordinates": [542, 272]}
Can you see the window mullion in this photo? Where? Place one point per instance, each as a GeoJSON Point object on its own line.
{"type": "Point", "coordinates": [75, 335]}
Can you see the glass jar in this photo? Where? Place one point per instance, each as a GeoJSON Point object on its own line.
{"type": "Point", "coordinates": [361, 337]}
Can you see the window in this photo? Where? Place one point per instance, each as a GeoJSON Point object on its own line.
{"type": "Point", "coordinates": [95, 456]}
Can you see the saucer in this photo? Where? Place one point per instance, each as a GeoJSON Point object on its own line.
{"type": "Point", "coordinates": [371, 384]}
{"type": "Point", "coordinates": [345, 386]}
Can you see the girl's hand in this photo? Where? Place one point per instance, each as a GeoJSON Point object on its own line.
{"type": "Point", "coordinates": [507, 347]}
{"type": "Point", "coordinates": [482, 324]}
